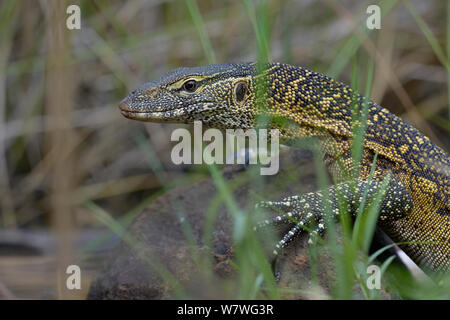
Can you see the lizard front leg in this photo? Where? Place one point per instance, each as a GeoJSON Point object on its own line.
{"type": "Point", "coordinates": [305, 209]}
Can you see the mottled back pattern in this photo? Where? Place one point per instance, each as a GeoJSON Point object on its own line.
{"type": "Point", "coordinates": [323, 107]}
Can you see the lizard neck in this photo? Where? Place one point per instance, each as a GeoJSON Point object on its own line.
{"type": "Point", "coordinates": [302, 103]}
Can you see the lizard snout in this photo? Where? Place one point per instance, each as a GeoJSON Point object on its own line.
{"type": "Point", "coordinates": [124, 106]}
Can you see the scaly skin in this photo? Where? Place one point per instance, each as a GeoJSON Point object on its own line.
{"type": "Point", "coordinates": [301, 103]}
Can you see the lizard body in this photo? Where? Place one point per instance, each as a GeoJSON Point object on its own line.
{"type": "Point", "coordinates": [301, 103]}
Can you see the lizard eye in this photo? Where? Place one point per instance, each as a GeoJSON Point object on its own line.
{"type": "Point", "coordinates": [190, 86]}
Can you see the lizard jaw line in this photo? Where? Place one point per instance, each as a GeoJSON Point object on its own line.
{"type": "Point", "coordinates": [147, 116]}
{"type": "Point", "coordinates": [175, 115]}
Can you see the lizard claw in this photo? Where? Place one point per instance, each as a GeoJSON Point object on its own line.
{"type": "Point", "coordinates": [297, 210]}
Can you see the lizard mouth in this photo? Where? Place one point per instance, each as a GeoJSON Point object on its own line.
{"type": "Point", "coordinates": [171, 115]}
{"type": "Point", "coordinates": [154, 116]}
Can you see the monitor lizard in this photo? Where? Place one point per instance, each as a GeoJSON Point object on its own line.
{"type": "Point", "coordinates": [301, 103]}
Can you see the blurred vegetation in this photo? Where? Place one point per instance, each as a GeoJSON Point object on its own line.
{"type": "Point", "coordinates": [69, 161]}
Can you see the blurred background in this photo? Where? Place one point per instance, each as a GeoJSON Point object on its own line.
{"type": "Point", "coordinates": [73, 171]}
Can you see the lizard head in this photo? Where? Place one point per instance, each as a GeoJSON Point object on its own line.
{"type": "Point", "coordinates": [221, 96]}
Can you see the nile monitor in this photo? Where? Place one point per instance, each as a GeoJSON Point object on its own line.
{"type": "Point", "coordinates": [301, 103]}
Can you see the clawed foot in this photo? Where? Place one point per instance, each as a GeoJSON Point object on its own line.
{"type": "Point", "coordinates": [300, 210]}
{"type": "Point", "coordinates": [305, 209]}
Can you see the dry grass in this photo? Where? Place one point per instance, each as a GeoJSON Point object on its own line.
{"type": "Point", "coordinates": [63, 142]}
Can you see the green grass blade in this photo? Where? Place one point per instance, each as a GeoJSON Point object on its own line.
{"type": "Point", "coordinates": [200, 26]}
{"type": "Point", "coordinates": [448, 57]}
{"type": "Point", "coordinates": [434, 43]}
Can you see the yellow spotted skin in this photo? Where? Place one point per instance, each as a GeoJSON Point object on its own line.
{"type": "Point", "coordinates": [302, 103]}
{"type": "Point", "coordinates": [324, 106]}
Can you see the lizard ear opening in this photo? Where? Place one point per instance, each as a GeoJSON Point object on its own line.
{"type": "Point", "coordinates": [240, 91]}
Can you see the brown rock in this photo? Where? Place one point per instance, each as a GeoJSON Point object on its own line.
{"type": "Point", "coordinates": [139, 271]}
